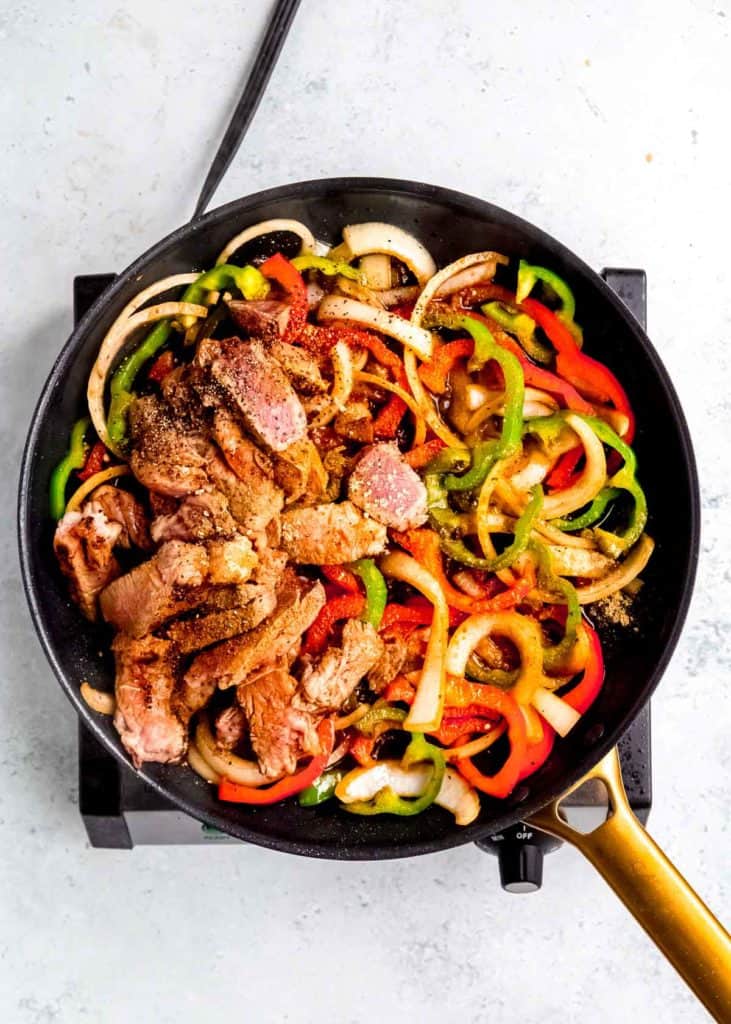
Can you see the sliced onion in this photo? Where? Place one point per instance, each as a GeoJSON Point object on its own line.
{"type": "Point", "coordinates": [387, 385]}
{"type": "Point", "coordinates": [591, 480]}
{"type": "Point", "coordinates": [265, 227]}
{"type": "Point", "coordinates": [342, 375]}
{"type": "Point", "coordinates": [444, 275]}
{"type": "Point", "coordinates": [516, 504]}
{"type": "Point", "coordinates": [559, 715]}
{"type": "Point", "coordinates": [338, 307]}
{"type": "Point", "coordinates": [524, 632]}
{"type": "Point", "coordinates": [470, 276]}
{"type": "Point", "coordinates": [225, 763]}
{"type": "Point", "coordinates": [533, 472]}
{"type": "Point", "coordinates": [377, 237]}
{"type": "Point", "coordinates": [478, 745]}
{"type": "Point", "coordinates": [98, 700]}
{"type": "Point", "coordinates": [573, 561]}
{"type": "Point", "coordinates": [376, 269]}
{"type": "Point", "coordinates": [76, 499]}
{"type": "Point", "coordinates": [426, 405]}
{"type": "Point", "coordinates": [395, 296]}
{"type": "Point", "coordinates": [624, 573]}
{"type": "Point", "coordinates": [455, 793]}
{"type": "Point", "coordinates": [113, 344]}
{"type": "Point", "coordinates": [200, 766]}
{"type": "Point", "coordinates": [425, 714]}
{"type": "Point", "coordinates": [359, 292]}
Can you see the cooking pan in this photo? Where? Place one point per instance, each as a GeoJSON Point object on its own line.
{"type": "Point", "coordinates": [450, 224]}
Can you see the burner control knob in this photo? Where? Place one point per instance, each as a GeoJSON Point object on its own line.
{"type": "Point", "coordinates": [520, 850]}
{"type": "Point", "coordinates": [521, 867]}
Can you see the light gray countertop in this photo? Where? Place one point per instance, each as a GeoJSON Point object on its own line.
{"type": "Point", "coordinates": [606, 124]}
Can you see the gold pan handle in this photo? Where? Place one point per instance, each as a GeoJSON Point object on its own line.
{"type": "Point", "coordinates": [671, 913]}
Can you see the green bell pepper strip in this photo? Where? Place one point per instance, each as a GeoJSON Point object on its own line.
{"type": "Point", "coordinates": [529, 274]}
{"type": "Point", "coordinates": [523, 327]}
{"type": "Point", "coordinates": [612, 544]}
{"type": "Point", "coordinates": [332, 268]}
{"type": "Point", "coordinates": [375, 588]}
{"type": "Point", "coordinates": [388, 802]}
{"type": "Point", "coordinates": [566, 594]}
{"type": "Point", "coordinates": [485, 455]}
{"type": "Point", "coordinates": [457, 549]}
{"type": "Point", "coordinates": [322, 789]}
{"type": "Point", "coordinates": [250, 282]}
{"type": "Point", "coordinates": [445, 520]}
{"type": "Point", "coordinates": [615, 544]}
{"type": "Point", "coordinates": [492, 676]}
{"type": "Point", "coordinates": [592, 514]}
{"type": "Point", "coordinates": [380, 712]}
{"type": "Point", "coordinates": [74, 458]}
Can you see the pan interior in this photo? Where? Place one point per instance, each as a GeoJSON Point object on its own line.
{"type": "Point", "coordinates": [450, 225]}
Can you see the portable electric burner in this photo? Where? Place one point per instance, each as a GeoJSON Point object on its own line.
{"type": "Point", "coordinates": [121, 811]}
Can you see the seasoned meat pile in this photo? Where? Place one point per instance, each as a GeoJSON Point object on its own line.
{"type": "Point", "coordinates": [204, 568]}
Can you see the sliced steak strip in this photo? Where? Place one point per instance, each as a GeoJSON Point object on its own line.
{"type": "Point", "coordinates": [230, 727]}
{"type": "Point", "coordinates": [387, 488]}
{"type": "Point", "coordinates": [145, 678]}
{"type": "Point", "coordinates": [231, 663]}
{"type": "Point", "coordinates": [205, 630]}
{"type": "Point", "coordinates": [392, 660]}
{"type": "Point", "coordinates": [280, 733]}
{"type": "Point", "coordinates": [253, 503]}
{"type": "Point", "coordinates": [84, 544]}
{"type": "Point", "coordinates": [231, 561]}
{"type": "Point", "coordinates": [122, 507]}
{"type": "Point", "coordinates": [198, 517]}
{"type": "Point", "coordinates": [300, 367]}
{"type": "Point", "coordinates": [255, 601]}
{"type": "Point", "coordinates": [328, 684]}
{"type": "Point", "coordinates": [330, 534]}
{"type": "Point", "coordinates": [263, 318]}
{"type": "Point", "coordinates": [260, 390]}
{"type": "Point", "coordinates": [167, 584]}
{"type": "Point", "coordinates": [260, 499]}
{"type": "Point", "coordinates": [164, 457]}
{"type": "Point", "coordinates": [300, 473]}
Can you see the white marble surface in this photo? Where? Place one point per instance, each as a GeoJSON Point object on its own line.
{"type": "Point", "coordinates": [606, 123]}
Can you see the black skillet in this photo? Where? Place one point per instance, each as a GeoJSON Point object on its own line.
{"type": "Point", "coordinates": [449, 224]}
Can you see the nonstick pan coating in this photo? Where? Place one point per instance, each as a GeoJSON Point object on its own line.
{"type": "Point", "coordinates": [450, 224]}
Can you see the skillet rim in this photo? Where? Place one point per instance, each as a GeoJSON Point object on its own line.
{"type": "Point", "coordinates": [319, 188]}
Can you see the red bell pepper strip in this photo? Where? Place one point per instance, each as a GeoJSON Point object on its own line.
{"type": "Point", "coordinates": [342, 576]}
{"type": "Point", "coordinates": [564, 472]}
{"type": "Point", "coordinates": [536, 376]}
{"type": "Point", "coordinates": [592, 378]}
{"type": "Point", "coordinates": [425, 547]}
{"type": "Point", "coordinates": [400, 689]}
{"type": "Point", "coordinates": [399, 614]}
{"type": "Point", "coordinates": [349, 606]}
{"type": "Point", "coordinates": [234, 792]}
{"type": "Point", "coordinates": [505, 780]}
{"type": "Point", "coordinates": [434, 373]}
{"type": "Point", "coordinates": [583, 695]}
{"type": "Point", "coordinates": [387, 421]}
{"type": "Point", "coordinates": [423, 454]}
{"type": "Point", "coordinates": [94, 461]}
{"type": "Point", "coordinates": [361, 748]}
{"type": "Point", "coordinates": [281, 270]}
{"type": "Point", "coordinates": [417, 611]}
{"type": "Point", "coordinates": [404, 310]}
{"type": "Point", "coordinates": [163, 365]}
{"type": "Point", "coordinates": [455, 727]}
{"type": "Point", "coordinates": [537, 754]}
